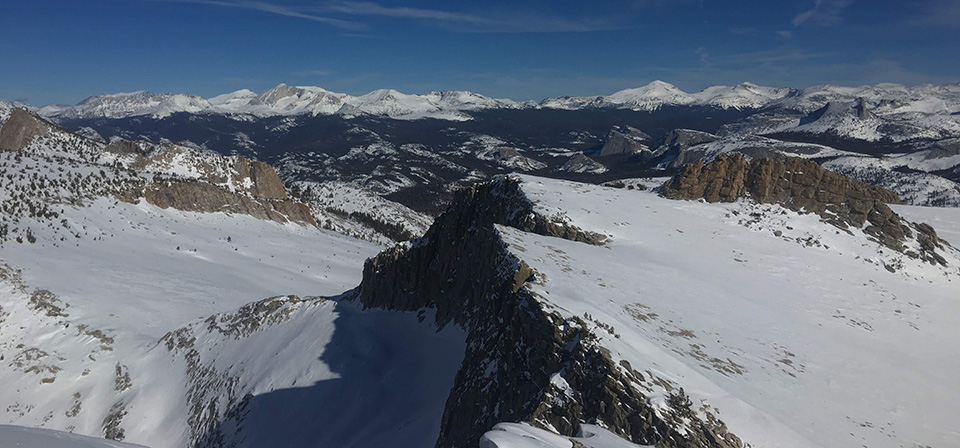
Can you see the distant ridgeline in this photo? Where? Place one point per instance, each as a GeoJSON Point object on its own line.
{"type": "Point", "coordinates": [409, 149]}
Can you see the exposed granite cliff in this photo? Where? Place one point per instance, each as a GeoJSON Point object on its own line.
{"type": "Point", "coordinates": [216, 183]}
{"type": "Point", "coordinates": [518, 350]}
{"type": "Point", "coordinates": [804, 186]}
{"type": "Point", "coordinates": [195, 196]}
{"type": "Point", "coordinates": [20, 129]}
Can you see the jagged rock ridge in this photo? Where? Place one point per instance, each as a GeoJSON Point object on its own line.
{"type": "Point", "coordinates": [515, 345]}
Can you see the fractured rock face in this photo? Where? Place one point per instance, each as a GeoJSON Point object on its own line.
{"type": "Point", "coordinates": [193, 196]}
{"type": "Point", "coordinates": [798, 184]}
{"type": "Point", "coordinates": [672, 148]}
{"type": "Point", "coordinates": [20, 129]}
{"type": "Point", "coordinates": [266, 183]}
{"type": "Point", "coordinates": [515, 345]}
{"type": "Point", "coordinates": [221, 184]}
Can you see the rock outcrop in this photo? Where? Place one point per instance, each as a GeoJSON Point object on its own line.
{"type": "Point", "coordinates": [20, 129]}
{"type": "Point", "coordinates": [625, 141]}
{"type": "Point", "coordinates": [672, 147]}
{"type": "Point", "coordinates": [580, 163]}
{"type": "Point", "coordinates": [194, 196]}
{"type": "Point", "coordinates": [804, 186]}
{"type": "Point", "coordinates": [169, 175]}
{"type": "Point", "coordinates": [125, 147]}
{"type": "Point", "coordinates": [265, 183]}
{"type": "Point", "coordinates": [219, 184]}
{"type": "Point", "coordinates": [518, 350]}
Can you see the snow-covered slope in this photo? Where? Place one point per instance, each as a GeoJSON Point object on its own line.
{"type": "Point", "coordinates": [758, 312]}
{"type": "Point", "coordinates": [133, 322]}
{"type": "Point", "coordinates": [913, 187]}
{"type": "Point", "coordinates": [742, 96]}
{"type": "Point", "coordinates": [23, 437]}
{"type": "Point", "coordinates": [522, 435]}
{"type": "Point", "coordinates": [352, 210]}
{"type": "Point", "coordinates": [120, 105]}
{"type": "Point", "coordinates": [887, 98]}
{"type": "Point", "coordinates": [174, 328]}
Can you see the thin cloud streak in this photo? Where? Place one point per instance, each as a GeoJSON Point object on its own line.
{"type": "Point", "coordinates": [305, 73]}
{"type": "Point", "coordinates": [374, 9]}
{"type": "Point", "coordinates": [766, 57]}
{"type": "Point", "coordinates": [823, 13]}
{"type": "Point", "coordinates": [476, 23]}
{"type": "Point", "coordinates": [276, 9]}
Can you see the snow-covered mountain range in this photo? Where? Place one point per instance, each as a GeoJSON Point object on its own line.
{"type": "Point", "coordinates": [456, 105]}
{"type": "Point", "coordinates": [280, 101]}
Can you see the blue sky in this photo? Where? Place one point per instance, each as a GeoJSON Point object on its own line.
{"type": "Point", "coordinates": [63, 51]}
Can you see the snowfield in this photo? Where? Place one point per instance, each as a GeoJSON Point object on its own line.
{"type": "Point", "coordinates": [151, 270]}
{"type": "Point", "coordinates": [99, 345]}
{"type": "Point", "coordinates": [22, 437]}
{"type": "Point", "coordinates": [792, 332]}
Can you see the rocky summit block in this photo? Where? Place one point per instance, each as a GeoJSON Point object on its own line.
{"type": "Point", "coordinates": [798, 184]}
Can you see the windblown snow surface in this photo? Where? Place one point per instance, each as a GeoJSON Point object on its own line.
{"type": "Point", "coordinates": [22, 437]}
{"type": "Point", "coordinates": [82, 324]}
{"type": "Point", "coordinates": [789, 330]}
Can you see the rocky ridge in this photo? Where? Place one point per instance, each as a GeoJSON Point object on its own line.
{"type": "Point", "coordinates": [803, 185]}
{"type": "Point", "coordinates": [519, 352]}
{"type": "Point", "coordinates": [164, 175]}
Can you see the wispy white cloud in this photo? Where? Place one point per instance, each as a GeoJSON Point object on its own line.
{"type": "Point", "coordinates": [704, 56]}
{"type": "Point", "coordinates": [305, 73]}
{"type": "Point", "coordinates": [471, 22]}
{"type": "Point", "coordinates": [278, 9]}
{"type": "Point", "coordinates": [823, 13]}
{"type": "Point", "coordinates": [938, 13]}
{"type": "Point", "coordinates": [375, 9]}
{"type": "Point", "coordinates": [766, 57]}
{"type": "Point", "coordinates": [477, 22]}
